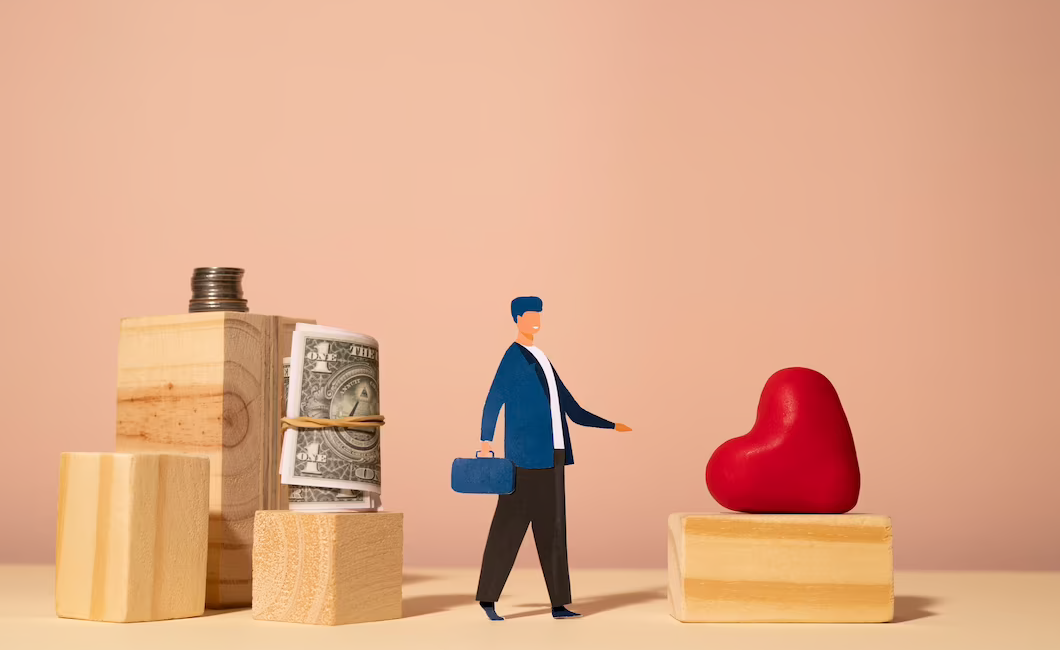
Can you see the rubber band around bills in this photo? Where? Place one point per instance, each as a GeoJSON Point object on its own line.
{"type": "Point", "coordinates": [357, 422]}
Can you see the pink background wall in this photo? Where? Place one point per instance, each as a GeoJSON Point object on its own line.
{"type": "Point", "coordinates": [702, 193]}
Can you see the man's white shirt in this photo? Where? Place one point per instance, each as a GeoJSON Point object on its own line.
{"type": "Point", "coordinates": [553, 395]}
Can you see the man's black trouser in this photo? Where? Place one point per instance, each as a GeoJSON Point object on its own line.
{"type": "Point", "coordinates": [539, 500]}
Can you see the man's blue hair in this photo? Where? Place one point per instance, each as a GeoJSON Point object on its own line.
{"type": "Point", "coordinates": [524, 304]}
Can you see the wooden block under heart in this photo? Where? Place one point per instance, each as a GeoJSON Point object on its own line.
{"type": "Point", "coordinates": [781, 568]}
{"type": "Point", "coordinates": [211, 383]}
{"type": "Point", "coordinates": [327, 568]}
{"type": "Point", "coordinates": [131, 539]}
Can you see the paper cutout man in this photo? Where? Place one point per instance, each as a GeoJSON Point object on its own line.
{"type": "Point", "coordinates": [536, 439]}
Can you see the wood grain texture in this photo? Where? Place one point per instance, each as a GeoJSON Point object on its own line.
{"type": "Point", "coordinates": [131, 539]}
{"type": "Point", "coordinates": [780, 568]}
{"type": "Point", "coordinates": [327, 568]}
{"type": "Point", "coordinates": [210, 383]}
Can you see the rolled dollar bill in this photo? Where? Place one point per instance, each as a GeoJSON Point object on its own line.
{"type": "Point", "coordinates": [318, 499]}
{"type": "Point", "coordinates": [322, 499]}
{"type": "Point", "coordinates": [333, 373]}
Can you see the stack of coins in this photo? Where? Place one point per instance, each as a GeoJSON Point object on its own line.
{"type": "Point", "coordinates": [217, 288]}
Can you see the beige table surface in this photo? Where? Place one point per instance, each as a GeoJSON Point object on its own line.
{"type": "Point", "coordinates": [623, 609]}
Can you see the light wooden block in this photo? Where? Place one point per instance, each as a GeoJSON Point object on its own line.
{"type": "Point", "coordinates": [781, 568]}
{"type": "Point", "coordinates": [327, 568]}
{"type": "Point", "coordinates": [211, 383]}
{"type": "Point", "coordinates": [131, 539]}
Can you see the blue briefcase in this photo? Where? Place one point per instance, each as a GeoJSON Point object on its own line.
{"type": "Point", "coordinates": [483, 475]}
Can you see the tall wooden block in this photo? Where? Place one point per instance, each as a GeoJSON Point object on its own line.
{"type": "Point", "coordinates": [211, 383]}
{"type": "Point", "coordinates": [131, 541]}
{"type": "Point", "coordinates": [781, 568]}
{"type": "Point", "coordinates": [327, 568]}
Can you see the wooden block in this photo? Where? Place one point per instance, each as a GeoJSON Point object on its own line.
{"type": "Point", "coordinates": [327, 568]}
{"type": "Point", "coordinates": [781, 568]}
{"type": "Point", "coordinates": [131, 540]}
{"type": "Point", "coordinates": [211, 383]}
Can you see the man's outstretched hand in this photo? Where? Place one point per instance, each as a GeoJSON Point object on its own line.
{"type": "Point", "coordinates": [621, 427]}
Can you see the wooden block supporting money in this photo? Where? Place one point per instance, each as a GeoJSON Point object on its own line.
{"type": "Point", "coordinates": [132, 531]}
{"type": "Point", "coordinates": [327, 568]}
{"type": "Point", "coordinates": [781, 568]}
{"type": "Point", "coordinates": [211, 383]}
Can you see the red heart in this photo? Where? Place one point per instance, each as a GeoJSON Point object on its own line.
{"type": "Point", "coordinates": [799, 456]}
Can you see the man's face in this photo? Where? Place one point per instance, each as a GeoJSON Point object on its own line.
{"type": "Point", "coordinates": [529, 323]}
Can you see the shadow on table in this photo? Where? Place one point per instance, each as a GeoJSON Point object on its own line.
{"type": "Point", "coordinates": [906, 608]}
{"type": "Point", "coordinates": [598, 604]}
{"type": "Point", "coordinates": [911, 608]}
{"type": "Point", "coordinates": [221, 612]}
{"type": "Point", "coordinates": [413, 578]}
{"type": "Point", "coordinates": [423, 605]}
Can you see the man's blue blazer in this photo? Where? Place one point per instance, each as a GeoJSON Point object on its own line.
{"type": "Point", "coordinates": [521, 388]}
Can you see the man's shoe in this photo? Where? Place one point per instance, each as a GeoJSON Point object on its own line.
{"type": "Point", "coordinates": [563, 612]}
{"type": "Point", "coordinates": [491, 611]}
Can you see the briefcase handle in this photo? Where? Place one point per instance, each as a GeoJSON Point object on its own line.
{"type": "Point", "coordinates": [492, 455]}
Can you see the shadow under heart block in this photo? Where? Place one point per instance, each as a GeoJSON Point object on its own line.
{"type": "Point", "coordinates": [746, 568]}
{"type": "Point", "coordinates": [327, 568]}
